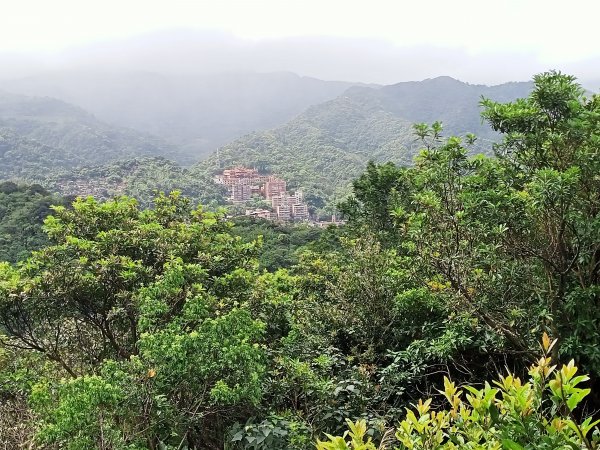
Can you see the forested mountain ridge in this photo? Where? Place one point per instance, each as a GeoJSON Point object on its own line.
{"type": "Point", "coordinates": [141, 178]}
{"type": "Point", "coordinates": [329, 144]}
{"type": "Point", "coordinates": [319, 151]}
{"type": "Point", "coordinates": [42, 136]}
{"type": "Point", "coordinates": [196, 113]}
{"type": "Point", "coordinates": [446, 99]}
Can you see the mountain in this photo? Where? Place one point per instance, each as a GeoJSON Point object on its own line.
{"type": "Point", "coordinates": [197, 113]}
{"type": "Point", "coordinates": [319, 151]}
{"type": "Point", "coordinates": [43, 136]}
{"type": "Point", "coordinates": [322, 150]}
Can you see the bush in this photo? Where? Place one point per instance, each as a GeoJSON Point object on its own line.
{"type": "Point", "coordinates": [507, 414]}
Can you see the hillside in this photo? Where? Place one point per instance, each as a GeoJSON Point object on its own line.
{"type": "Point", "coordinates": [197, 113]}
{"type": "Point", "coordinates": [328, 145]}
{"type": "Point", "coordinates": [320, 151]}
{"type": "Point", "coordinates": [42, 136]}
{"type": "Point", "coordinates": [140, 178]}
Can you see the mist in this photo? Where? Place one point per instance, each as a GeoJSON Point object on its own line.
{"type": "Point", "coordinates": [199, 90]}
{"type": "Point", "coordinates": [187, 52]}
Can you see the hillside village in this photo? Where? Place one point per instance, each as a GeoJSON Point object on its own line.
{"type": "Point", "coordinates": [244, 184]}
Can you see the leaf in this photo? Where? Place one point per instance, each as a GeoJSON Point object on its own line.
{"type": "Point", "coordinates": [511, 445]}
{"type": "Point", "coordinates": [237, 436]}
{"type": "Point", "coordinates": [494, 414]}
{"type": "Point", "coordinates": [577, 396]}
{"type": "Point", "coordinates": [588, 425]}
{"type": "Point", "coordinates": [545, 342]}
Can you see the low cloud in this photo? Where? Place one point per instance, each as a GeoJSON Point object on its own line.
{"type": "Point", "coordinates": [364, 60]}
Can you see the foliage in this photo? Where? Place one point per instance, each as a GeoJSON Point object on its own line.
{"type": "Point", "coordinates": [282, 244]}
{"type": "Point", "coordinates": [140, 178]}
{"type": "Point", "coordinates": [357, 432]}
{"type": "Point", "coordinates": [551, 151]}
{"type": "Point", "coordinates": [22, 212]}
{"type": "Point", "coordinates": [18, 373]}
{"type": "Point", "coordinates": [511, 241]}
{"type": "Point", "coordinates": [507, 414]}
{"type": "Point", "coordinates": [143, 309]}
{"type": "Point", "coordinates": [273, 433]}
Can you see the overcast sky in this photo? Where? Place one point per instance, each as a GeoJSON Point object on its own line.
{"type": "Point", "coordinates": [373, 41]}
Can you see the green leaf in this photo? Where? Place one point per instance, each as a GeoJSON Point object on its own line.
{"type": "Point", "coordinates": [511, 445]}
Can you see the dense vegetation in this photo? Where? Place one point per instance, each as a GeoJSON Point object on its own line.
{"type": "Point", "coordinates": [22, 212]}
{"type": "Point", "coordinates": [141, 178]}
{"type": "Point", "coordinates": [157, 329]}
{"type": "Point", "coordinates": [283, 244]}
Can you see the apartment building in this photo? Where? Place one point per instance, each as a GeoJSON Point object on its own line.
{"type": "Point", "coordinates": [240, 193]}
{"type": "Point", "coordinates": [274, 186]}
{"type": "Point", "coordinates": [243, 183]}
{"type": "Point", "coordinates": [284, 213]}
{"type": "Point", "coordinates": [300, 211]}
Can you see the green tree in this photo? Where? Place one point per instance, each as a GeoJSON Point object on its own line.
{"type": "Point", "coordinates": [22, 212]}
{"type": "Point", "coordinates": [145, 311]}
{"type": "Point", "coordinates": [552, 155]}
{"type": "Point", "coordinates": [510, 243]}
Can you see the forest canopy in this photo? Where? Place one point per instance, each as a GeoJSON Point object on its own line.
{"type": "Point", "coordinates": [22, 213]}
{"type": "Point", "coordinates": [158, 328]}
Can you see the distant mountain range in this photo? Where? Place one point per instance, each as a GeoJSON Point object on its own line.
{"type": "Point", "coordinates": [195, 113]}
{"type": "Point", "coordinates": [320, 138]}
{"type": "Point", "coordinates": [43, 136]}
{"type": "Point", "coordinates": [328, 145]}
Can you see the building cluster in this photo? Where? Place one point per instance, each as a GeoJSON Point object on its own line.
{"type": "Point", "coordinates": [245, 183]}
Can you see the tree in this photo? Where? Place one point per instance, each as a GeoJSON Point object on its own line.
{"type": "Point", "coordinates": [552, 151]}
{"type": "Point", "coordinates": [144, 310]}
{"type": "Point", "coordinates": [374, 193]}
{"type": "Point", "coordinates": [22, 212]}
{"type": "Point", "coordinates": [512, 241]}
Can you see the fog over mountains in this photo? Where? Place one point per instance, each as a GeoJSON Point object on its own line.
{"type": "Point", "coordinates": [207, 100]}
{"type": "Point", "coordinates": [368, 60]}
{"type": "Point", "coordinates": [318, 134]}
{"type": "Point", "coordinates": [40, 136]}
{"type": "Point", "coordinates": [197, 113]}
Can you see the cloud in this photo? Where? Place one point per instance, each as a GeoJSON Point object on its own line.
{"type": "Point", "coordinates": [333, 58]}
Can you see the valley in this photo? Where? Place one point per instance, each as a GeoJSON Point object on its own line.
{"type": "Point", "coordinates": [319, 151]}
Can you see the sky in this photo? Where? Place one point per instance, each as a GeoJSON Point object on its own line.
{"type": "Point", "coordinates": [490, 41]}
